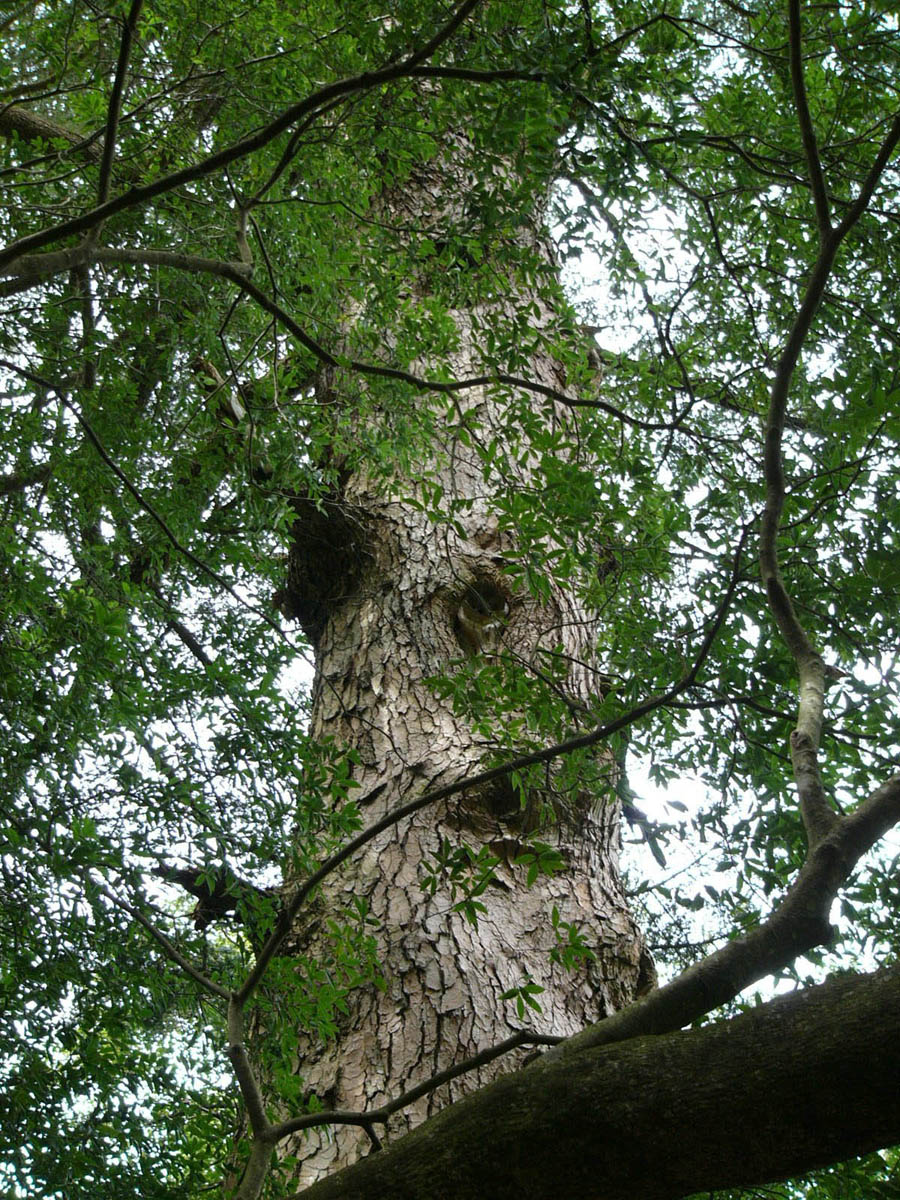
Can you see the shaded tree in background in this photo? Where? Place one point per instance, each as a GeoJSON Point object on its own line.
{"type": "Point", "coordinates": [291, 374]}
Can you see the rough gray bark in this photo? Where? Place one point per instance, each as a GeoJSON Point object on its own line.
{"type": "Point", "coordinates": [389, 598]}
{"type": "Point", "coordinates": [799, 1083]}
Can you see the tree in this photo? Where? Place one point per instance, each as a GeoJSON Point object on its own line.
{"type": "Point", "coordinates": [291, 368]}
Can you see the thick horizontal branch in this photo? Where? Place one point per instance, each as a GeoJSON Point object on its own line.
{"type": "Point", "coordinates": [788, 1087]}
{"type": "Point", "coordinates": [31, 126]}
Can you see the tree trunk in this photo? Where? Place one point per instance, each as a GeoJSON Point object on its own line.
{"type": "Point", "coordinates": [390, 597]}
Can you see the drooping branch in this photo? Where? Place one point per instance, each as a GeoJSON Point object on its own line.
{"type": "Point", "coordinates": [31, 270]}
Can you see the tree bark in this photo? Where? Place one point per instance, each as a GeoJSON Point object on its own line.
{"type": "Point", "coordinates": [804, 1081]}
{"type": "Point", "coordinates": [390, 598]}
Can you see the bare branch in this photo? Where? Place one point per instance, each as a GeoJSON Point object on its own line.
{"type": "Point", "coordinates": [380, 1116]}
{"type": "Point", "coordinates": [246, 1077]}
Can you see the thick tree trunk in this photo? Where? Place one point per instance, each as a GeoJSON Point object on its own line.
{"type": "Point", "coordinates": [390, 598]}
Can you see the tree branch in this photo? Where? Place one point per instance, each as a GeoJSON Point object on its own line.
{"type": "Point", "coordinates": [135, 196]}
{"type": "Point", "coordinates": [32, 269]}
{"type": "Point", "coordinates": [662, 1118]}
{"type": "Point", "coordinates": [799, 923]}
{"type": "Point", "coordinates": [379, 1116]}
{"type": "Point", "coordinates": [32, 127]}
{"type": "Point", "coordinates": [249, 1085]}
{"type": "Point", "coordinates": [171, 952]}
{"type": "Point", "coordinates": [115, 102]}
{"type": "Point", "coordinates": [804, 120]}
{"type": "Point", "coordinates": [818, 817]}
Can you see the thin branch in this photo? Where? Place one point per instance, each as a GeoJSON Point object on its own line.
{"type": "Point", "coordinates": [246, 1077]}
{"type": "Point", "coordinates": [35, 269]}
{"type": "Point", "coordinates": [171, 952]}
{"type": "Point", "coordinates": [804, 120]}
{"type": "Point", "coordinates": [237, 274]}
{"type": "Point", "coordinates": [379, 1116]}
{"type": "Point", "coordinates": [859, 205]}
{"type": "Point", "coordinates": [115, 102]}
{"type": "Point", "coordinates": [177, 626]}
